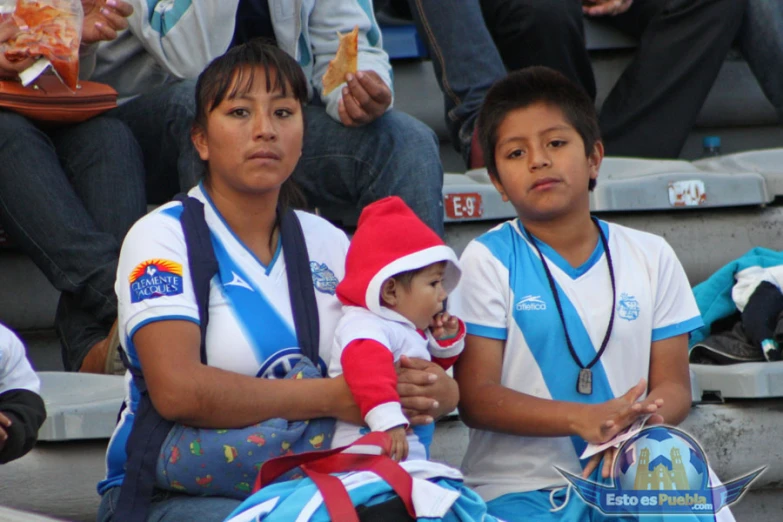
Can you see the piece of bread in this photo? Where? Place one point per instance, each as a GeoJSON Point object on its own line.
{"type": "Point", "coordinates": [345, 61]}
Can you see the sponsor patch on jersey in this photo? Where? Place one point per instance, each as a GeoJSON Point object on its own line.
{"type": "Point", "coordinates": [324, 279]}
{"type": "Point", "coordinates": [155, 278]}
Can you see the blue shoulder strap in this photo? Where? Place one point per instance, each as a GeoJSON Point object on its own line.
{"type": "Point", "coordinates": [300, 285]}
{"type": "Point", "coordinates": [149, 429]}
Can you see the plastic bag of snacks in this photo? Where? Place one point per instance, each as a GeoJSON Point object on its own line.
{"type": "Point", "coordinates": [54, 31]}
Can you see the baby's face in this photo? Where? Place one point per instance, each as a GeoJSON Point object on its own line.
{"type": "Point", "coordinates": [424, 298]}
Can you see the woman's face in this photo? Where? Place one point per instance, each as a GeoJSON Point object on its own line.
{"type": "Point", "coordinates": [252, 142]}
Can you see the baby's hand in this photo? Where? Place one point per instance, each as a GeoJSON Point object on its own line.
{"type": "Point", "coordinates": [444, 326]}
{"type": "Point", "coordinates": [399, 443]}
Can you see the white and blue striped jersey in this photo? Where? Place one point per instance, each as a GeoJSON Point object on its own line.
{"type": "Point", "coordinates": [251, 327]}
{"type": "Point", "coordinates": [504, 294]}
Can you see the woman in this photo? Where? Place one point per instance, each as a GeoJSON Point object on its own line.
{"type": "Point", "coordinates": [68, 195]}
{"type": "Point", "coordinates": [248, 130]}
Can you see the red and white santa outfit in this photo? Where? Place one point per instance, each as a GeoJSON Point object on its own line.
{"type": "Point", "coordinates": [370, 337]}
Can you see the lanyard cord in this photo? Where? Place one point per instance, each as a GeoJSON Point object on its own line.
{"type": "Point", "coordinates": [553, 288]}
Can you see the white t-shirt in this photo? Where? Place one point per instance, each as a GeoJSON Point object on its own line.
{"type": "Point", "coordinates": [504, 294]}
{"type": "Point", "coordinates": [251, 327]}
{"type": "Point", "coordinates": [15, 370]}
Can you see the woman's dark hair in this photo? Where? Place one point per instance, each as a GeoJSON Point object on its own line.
{"type": "Point", "coordinates": [232, 74]}
{"type": "Point", "coordinates": [526, 87]}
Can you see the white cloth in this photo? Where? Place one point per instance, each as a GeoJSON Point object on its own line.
{"type": "Point", "coordinates": [15, 370]}
{"type": "Point", "coordinates": [750, 278]}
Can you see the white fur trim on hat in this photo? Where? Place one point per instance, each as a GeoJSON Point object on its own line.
{"type": "Point", "coordinates": [413, 261]}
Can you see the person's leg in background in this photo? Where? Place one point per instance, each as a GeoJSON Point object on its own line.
{"type": "Point", "coordinates": [67, 198]}
{"type": "Point", "coordinates": [682, 46]}
{"type": "Point", "coordinates": [541, 32]}
{"type": "Point", "coordinates": [161, 121]}
{"type": "Point", "coordinates": [760, 41]}
{"type": "Point", "coordinates": [394, 155]}
{"type": "Point", "coordinates": [465, 59]}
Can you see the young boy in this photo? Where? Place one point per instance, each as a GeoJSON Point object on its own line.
{"type": "Point", "coordinates": [398, 273]}
{"type": "Point", "coordinates": [21, 408]}
{"type": "Point", "coordinates": [576, 326]}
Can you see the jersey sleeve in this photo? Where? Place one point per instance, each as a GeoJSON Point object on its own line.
{"type": "Point", "coordinates": [481, 299]}
{"type": "Point", "coordinates": [676, 311]}
{"type": "Point", "coordinates": [153, 277]}
{"type": "Point", "coordinates": [15, 370]}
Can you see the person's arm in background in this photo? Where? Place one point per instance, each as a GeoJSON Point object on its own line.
{"type": "Point", "coordinates": [22, 410]}
{"type": "Point", "coordinates": [184, 36]}
{"type": "Point", "coordinates": [103, 20]}
{"type": "Point", "coordinates": [370, 92]}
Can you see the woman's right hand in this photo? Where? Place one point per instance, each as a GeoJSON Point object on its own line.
{"type": "Point", "coordinates": [10, 70]}
{"type": "Point", "coordinates": [598, 423]}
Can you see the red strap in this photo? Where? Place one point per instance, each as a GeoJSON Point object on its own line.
{"type": "Point", "coordinates": [391, 472]}
{"type": "Point", "coordinates": [273, 468]}
{"type": "Point", "coordinates": [338, 502]}
{"type": "Point", "coordinates": [319, 464]}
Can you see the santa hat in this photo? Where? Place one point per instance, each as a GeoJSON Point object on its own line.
{"type": "Point", "coordinates": [390, 239]}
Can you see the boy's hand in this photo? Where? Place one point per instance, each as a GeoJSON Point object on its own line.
{"type": "Point", "coordinates": [365, 99]}
{"type": "Point", "coordinates": [601, 422]}
{"type": "Point", "coordinates": [5, 422]}
{"type": "Point", "coordinates": [609, 454]}
{"type": "Point", "coordinates": [399, 443]}
{"type": "Point", "coordinates": [444, 326]}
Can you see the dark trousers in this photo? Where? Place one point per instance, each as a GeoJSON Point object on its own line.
{"type": "Point", "coordinates": [651, 109]}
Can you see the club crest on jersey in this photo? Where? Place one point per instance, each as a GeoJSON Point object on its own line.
{"type": "Point", "coordinates": [155, 278]}
{"type": "Point", "coordinates": [628, 307]}
{"type": "Point", "coordinates": [324, 279]}
{"type": "Point", "coordinates": [531, 302]}
{"type": "Point", "coordinates": [279, 364]}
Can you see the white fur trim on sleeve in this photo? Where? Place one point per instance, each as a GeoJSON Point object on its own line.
{"type": "Point", "coordinates": [385, 417]}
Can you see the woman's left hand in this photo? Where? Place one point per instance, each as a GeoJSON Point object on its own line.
{"type": "Point", "coordinates": [103, 19]}
{"type": "Point", "coordinates": [426, 391]}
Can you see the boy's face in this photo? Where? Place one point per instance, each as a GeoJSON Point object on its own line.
{"type": "Point", "coordinates": [541, 163]}
{"type": "Point", "coordinates": [424, 298]}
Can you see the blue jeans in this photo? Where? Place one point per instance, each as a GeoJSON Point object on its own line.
{"type": "Point", "coordinates": [173, 507]}
{"type": "Point", "coordinates": [464, 77]}
{"type": "Point", "coordinates": [394, 155]}
{"type": "Point", "coordinates": [761, 42]}
{"type": "Point", "coordinates": [161, 121]}
{"type": "Point", "coordinates": [67, 197]}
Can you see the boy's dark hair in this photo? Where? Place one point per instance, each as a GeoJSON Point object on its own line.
{"type": "Point", "coordinates": [232, 75]}
{"type": "Point", "coordinates": [525, 87]}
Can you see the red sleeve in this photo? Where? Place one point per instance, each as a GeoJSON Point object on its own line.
{"type": "Point", "coordinates": [368, 367]}
{"type": "Point", "coordinates": [445, 362]}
